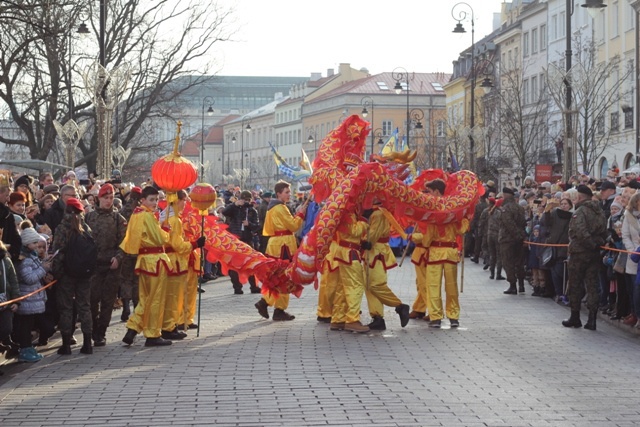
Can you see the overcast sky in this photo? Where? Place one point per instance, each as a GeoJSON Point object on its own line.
{"type": "Point", "coordinates": [297, 37]}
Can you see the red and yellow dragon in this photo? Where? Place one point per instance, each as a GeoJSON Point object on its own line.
{"type": "Point", "coordinates": [343, 183]}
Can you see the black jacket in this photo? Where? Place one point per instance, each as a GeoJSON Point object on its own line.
{"type": "Point", "coordinates": [53, 216]}
{"type": "Point", "coordinates": [235, 215]}
{"type": "Point", "coordinates": [10, 235]}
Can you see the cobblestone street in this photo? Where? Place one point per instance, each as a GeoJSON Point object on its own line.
{"type": "Point", "coordinates": [511, 363]}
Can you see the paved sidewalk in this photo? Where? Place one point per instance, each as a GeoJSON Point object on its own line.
{"type": "Point", "coordinates": [510, 363]}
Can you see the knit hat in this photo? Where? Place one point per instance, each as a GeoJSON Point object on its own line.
{"type": "Point", "coordinates": [246, 195]}
{"type": "Point", "coordinates": [16, 196]}
{"type": "Point", "coordinates": [75, 203]}
{"type": "Point", "coordinates": [106, 189]}
{"type": "Point", "coordinates": [30, 235]}
{"type": "Point", "coordinates": [507, 190]}
{"type": "Point", "coordinates": [585, 190]}
{"type": "Point", "coordinates": [23, 180]}
{"type": "Point", "coordinates": [617, 204]}
{"type": "Point", "coordinates": [523, 203]}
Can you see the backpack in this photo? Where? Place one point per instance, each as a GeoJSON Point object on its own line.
{"type": "Point", "coordinates": [81, 256]}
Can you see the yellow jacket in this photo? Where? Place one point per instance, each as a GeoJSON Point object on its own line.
{"type": "Point", "coordinates": [345, 248]}
{"type": "Point", "coordinates": [146, 239]}
{"type": "Point", "coordinates": [440, 241]}
{"type": "Point", "coordinates": [280, 225]}
{"type": "Point", "coordinates": [379, 231]}
{"type": "Point", "coordinates": [420, 254]}
{"type": "Point", "coordinates": [178, 248]}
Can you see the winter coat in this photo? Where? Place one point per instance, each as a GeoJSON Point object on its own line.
{"type": "Point", "coordinates": [631, 239]}
{"type": "Point", "coordinates": [556, 224]}
{"type": "Point", "coordinates": [53, 216]}
{"type": "Point", "coordinates": [8, 280]}
{"type": "Point", "coordinates": [10, 235]}
{"type": "Point", "coordinates": [30, 275]}
{"type": "Point", "coordinates": [512, 222]}
{"type": "Point", "coordinates": [61, 242]}
{"type": "Point", "coordinates": [235, 215]}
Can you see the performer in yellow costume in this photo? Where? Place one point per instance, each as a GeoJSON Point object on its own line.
{"type": "Point", "coordinates": [379, 258]}
{"type": "Point", "coordinates": [443, 258]}
{"type": "Point", "coordinates": [146, 239]}
{"type": "Point", "coordinates": [419, 258]}
{"type": "Point", "coordinates": [345, 259]}
{"type": "Point", "coordinates": [280, 226]}
{"type": "Point", "coordinates": [187, 311]}
{"type": "Point", "coordinates": [178, 250]}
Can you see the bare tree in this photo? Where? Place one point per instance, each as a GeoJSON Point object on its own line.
{"type": "Point", "coordinates": [600, 89]}
{"type": "Point", "coordinates": [160, 41]}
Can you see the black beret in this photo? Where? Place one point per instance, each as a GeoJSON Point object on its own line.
{"type": "Point", "coordinates": [585, 190]}
{"type": "Point", "coordinates": [507, 190]}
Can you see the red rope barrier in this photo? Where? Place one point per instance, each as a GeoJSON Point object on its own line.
{"type": "Point", "coordinates": [24, 297]}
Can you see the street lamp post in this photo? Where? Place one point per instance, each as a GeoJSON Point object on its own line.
{"type": "Point", "coordinates": [378, 133]}
{"type": "Point", "coordinates": [461, 16]}
{"type": "Point", "coordinates": [365, 102]}
{"type": "Point", "coordinates": [211, 101]}
{"type": "Point", "coordinates": [312, 140]}
{"type": "Point", "coordinates": [399, 74]}
{"type": "Point", "coordinates": [242, 129]}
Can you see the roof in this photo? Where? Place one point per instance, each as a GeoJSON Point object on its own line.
{"type": "Point", "coordinates": [39, 165]}
{"type": "Point", "coordinates": [262, 111]}
{"type": "Point", "coordinates": [383, 83]}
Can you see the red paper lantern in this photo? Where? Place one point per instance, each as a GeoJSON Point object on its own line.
{"type": "Point", "coordinates": [173, 172]}
{"type": "Point", "coordinates": [203, 196]}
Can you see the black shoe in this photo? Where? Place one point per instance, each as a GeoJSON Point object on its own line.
{"type": "Point", "coordinates": [156, 342]}
{"type": "Point", "coordinates": [454, 323]}
{"type": "Point", "coordinates": [403, 312]}
{"type": "Point", "coordinates": [491, 277]}
{"type": "Point", "coordinates": [521, 289]}
{"type": "Point", "coordinates": [591, 323]}
{"type": "Point", "coordinates": [499, 277]}
{"type": "Point", "coordinates": [65, 349]}
{"type": "Point", "coordinates": [474, 259]}
{"type": "Point", "coordinates": [255, 290]}
{"type": "Point", "coordinates": [73, 340]}
{"type": "Point", "coordinates": [87, 348]}
{"type": "Point", "coordinates": [324, 319]}
{"type": "Point", "coordinates": [573, 321]}
{"type": "Point", "coordinates": [435, 323]}
{"type": "Point", "coordinates": [279, 314]}
{"type": "Point", "coordinates": [99, 341]}
{"type": "Point", "coordinates": [262, 307]}
{"type": "Point", "coordinates": [173, 335]}
{"type": "Point", "coordinates": [377, 324]}
{"type": "Point", "coordinates": [238, 292]}
{"type": "Point", "coordinates": [202, 291]}
{"type": "Point", "coordinates": [511, 291]}
{"type": "Point", "coordinates": [537, 291]}
{"type": "Point", "coordinates": [486, 267]}
{"type": "Point", "coordinates": [207, 276]}
{"type": "Point", "coordinates": [193, 326]}
{"type": "Point", "coordinates": [129, 336]}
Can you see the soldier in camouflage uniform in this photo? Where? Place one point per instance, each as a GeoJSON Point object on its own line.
{"type": "Point", "coordinates": [129, 280]}
{"type": "Point", "coordinates": [493, 228]}
{"type": "Point", "coordinates": [587, 232]}
{"type": "Point", "coordinates": [483, 225]}
{"type": "Point", "coordinates": [475, 227]}
{"type": "Point", "coordinates": [511, 237]}
{"type": "Point", "coordinates": [109, 228]}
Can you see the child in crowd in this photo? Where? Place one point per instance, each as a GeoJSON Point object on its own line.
{"type": "Point", "coordinates": [9, 290]}
{"type": "Point", "coordinates": [31, 272]}
{"type": "Point", "coordinates": [533, 262]}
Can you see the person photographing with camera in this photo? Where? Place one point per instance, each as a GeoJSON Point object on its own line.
{"type": "Point", "coordinates": [242, 219]}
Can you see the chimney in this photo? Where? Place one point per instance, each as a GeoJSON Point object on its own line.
{"type": "Point", "coordinates": [315, 76]}
{"type": "Point", "coordinates": [330, 72]}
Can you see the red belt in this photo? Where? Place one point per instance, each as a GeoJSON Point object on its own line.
{"type": "Point", "coordinates": [350, 245]}
{"type": "Point", "coordinates": [282, 233]}
{"type": "Point", "coordinates": [146, 251]}
{"type": "Point", "coordinates": [444, 244]}
{"type": "Point", "coordinates": [383, 240]}
{"type": "Point", "coordinates": [420, 246]}
{"type": "Point", "coordinates": [168, 250]}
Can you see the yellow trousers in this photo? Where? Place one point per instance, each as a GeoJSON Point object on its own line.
{"type": "Point", "coordinates": [174, 300]}
{"type": "Point", "coordinates": [327, 292]}
{"type": "Point", "coordinates": [281, 301]}
{"type": "Point", "coordinates": [187, 311]}
{"type": "Point", "coordinates": [420, 303]}
{"type": "Point", "coordinates": [149, 313]}
{"type": "Point", "coordinates": [378, 292]}
{"type": "Point", "coordinates": [434, 283]}
{"type": "Point", "coordinates": [351, 280]}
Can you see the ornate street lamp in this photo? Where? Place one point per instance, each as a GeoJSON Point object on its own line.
{"type": "Point", "coordinates": [367, 101]}
{"type": "Point", "coordinates": [210, 101]}
{"type": "Point", "coordinates": [459, 11]}
{"type": "Point", "coordinates": [400, 74]}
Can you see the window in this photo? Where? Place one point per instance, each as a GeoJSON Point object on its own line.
{"type": "Point", "coordinates": [516, 58]}
{"type": "Point", "coordinates": [543, 37]}
{"type": "Point", "coordinates": [543, 86]}
{"type": "Point", "coordinates": [386, 127]}
{"type": "Point", "coordinates": [615, 118]}
{"type": "Point", "coordinates": [629, 18]}
{"type": "Point", "coordinates": [554, 28]}
{"type": "Point", "coordinates": [535, 95]}
{"type": "Point", "coordinates": [382, 86]}
{"type": "Point", "coordinates": [525, 91]}
{"type": "Point", "coordinates": [628, 117]}
{"type": "Point", "coordinates": [525, 44]}
{"type": "Point", "coordinates": [562, 30]}
{"type": "Point", "coordinates": [440, 128]}
{"type": "Point", "coordinates": [534, 41]}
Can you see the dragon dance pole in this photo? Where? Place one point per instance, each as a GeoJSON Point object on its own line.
{"type": "Point", "coordinates": [462, 268]}
{"type": "Point", "coordinates": [200, 276]}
